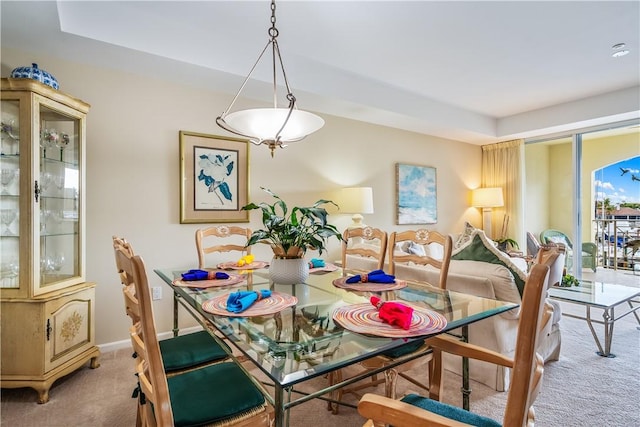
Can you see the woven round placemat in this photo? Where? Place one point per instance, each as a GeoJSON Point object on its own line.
{"type": "Point", "coordinates": [233, 279]}
{"type": "Point", "coordinates": [363, 318]}
{"type": "Point", "coordinates": [369, 286]}
{"type": "Point", "coordinates": [271, 305]}
{"type": "Point", "coordinates": [326, 269]}
{"type": "Point", "coordinates": [233, 265]}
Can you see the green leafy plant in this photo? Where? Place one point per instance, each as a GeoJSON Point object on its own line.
{"type": "Point", "coordinates": [505, 243]}
{"type": "Point", "coordinates": [568, 280]}
{"type": "Point", "coordinates": [291, 232]}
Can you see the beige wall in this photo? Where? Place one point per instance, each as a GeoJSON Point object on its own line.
{"type": "Point", "coordinates": [133, 173]}
{"type": "Point", "coordinates": [536, 213]}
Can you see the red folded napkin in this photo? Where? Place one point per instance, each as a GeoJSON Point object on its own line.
{"type": "Point", "coordinates": [393, 313]}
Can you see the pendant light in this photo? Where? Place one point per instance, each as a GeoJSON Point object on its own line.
{"type": "Point", "coordinates": [274, 127]}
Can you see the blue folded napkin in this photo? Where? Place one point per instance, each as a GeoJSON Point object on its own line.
{"type": "Point", "coordinates": [192, 275]}
{"type": "Point", "coordinates": [375, 276]}
{"type": "Point", "coordinates": [241, 300]}
{"type": "Point", "coordinates": [316, 263]}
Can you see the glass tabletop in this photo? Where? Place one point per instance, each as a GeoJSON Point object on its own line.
{"type": "Point", "coordinates": [303, 341]}
{"type": "Point", "coordinates": [597, 294]}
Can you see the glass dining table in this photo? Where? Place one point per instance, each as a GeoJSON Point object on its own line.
{"type": "Point", "coordinates": [303, 341]}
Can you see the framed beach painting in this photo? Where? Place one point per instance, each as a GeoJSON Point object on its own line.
{"type": "Point", "coordinates": [416, 201]}
{"type": "Point", "coordinates": [214, 178]}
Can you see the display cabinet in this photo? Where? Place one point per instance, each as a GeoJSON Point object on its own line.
{"type": "Point", "coordinates": [47, 306]}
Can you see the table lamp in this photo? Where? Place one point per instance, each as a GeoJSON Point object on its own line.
{"type": "Point", "coordinates": [356, 201]}
{"type": "Point", "coordinates": [487, 198]}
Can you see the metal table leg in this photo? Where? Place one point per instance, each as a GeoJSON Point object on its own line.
{"type": "Point", "coordinates": [608, 318]}
{"type": "Point", "coordinates": [279, 406]}
{"type": "Point", "coordinates": [175, 314]}
{"type": "Point", "coordinates": [466, 390]}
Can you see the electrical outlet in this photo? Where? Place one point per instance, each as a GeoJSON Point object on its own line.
{"type": "Point", "coordinates": [156, 293]}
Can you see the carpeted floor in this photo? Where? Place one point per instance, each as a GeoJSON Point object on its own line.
{"type": "Point", "coordinates": [581, 389]}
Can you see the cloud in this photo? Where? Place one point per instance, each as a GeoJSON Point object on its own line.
{"type": "Point", "coordinates": [604, 185]}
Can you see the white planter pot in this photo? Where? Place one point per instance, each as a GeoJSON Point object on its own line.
{"type": "Point", "coordinates": [289, 271]}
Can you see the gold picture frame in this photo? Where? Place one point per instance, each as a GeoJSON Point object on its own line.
{"type": "Point", "coordinates": [214, 178]}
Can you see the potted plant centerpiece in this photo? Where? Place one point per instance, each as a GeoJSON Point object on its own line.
{"type": "Point", "coordinates": [290, 233]}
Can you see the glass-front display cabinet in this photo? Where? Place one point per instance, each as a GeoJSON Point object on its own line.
{"type": "Point", "coordinates": [42, 239]}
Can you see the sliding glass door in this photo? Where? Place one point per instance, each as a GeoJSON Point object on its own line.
{"type": "Point", "coordinates": [562, 188]}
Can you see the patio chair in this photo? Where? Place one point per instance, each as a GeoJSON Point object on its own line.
{"type": "Point", "coordinates": [589, 249]}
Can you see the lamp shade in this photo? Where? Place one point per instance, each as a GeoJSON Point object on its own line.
{"type": "Point", "coordinates": [487, 197]}
{"type": "Point", "coordinates": [356, 200]}
{"type": "Point", "coordinates": [263, 124]}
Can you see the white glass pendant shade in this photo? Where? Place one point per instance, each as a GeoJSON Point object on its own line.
{"type": "Point", "coordinates": [264, 123]}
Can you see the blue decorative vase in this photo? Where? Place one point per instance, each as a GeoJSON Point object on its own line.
{"type": "Point", "coordinates": [35, 73]}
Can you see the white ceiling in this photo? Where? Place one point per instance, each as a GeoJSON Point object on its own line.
{"type": "Point", "coordinates": [473, 71]}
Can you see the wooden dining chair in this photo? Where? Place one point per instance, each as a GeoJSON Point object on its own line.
{"type": "Point", "coordinates": [181, 353]}
{"type": "Point", "coordinates": [424, 246]}
{"type": "Point", "coordinates": [364, 247]}
{"type": "Point", "coordinates": [221, 238]}
{"type": "Point", "coordinates": [218, 394]}
{"type": "Point", "coordinates": [527, 368]}
{"type": "Point", "coordinates": [552, 257]}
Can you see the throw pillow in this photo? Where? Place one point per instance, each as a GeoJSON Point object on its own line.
{"type": "Point", "coordinates": [416, 249]}
{"type": "Point", "coordinates": [465, 236]}
{"type": "Point", "coordinates": [481, 248]}
{"type": "Point", "coordinates": [435, 251]}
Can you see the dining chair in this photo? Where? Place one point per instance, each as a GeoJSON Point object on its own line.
{"type": "Point", "coordinates": [221, 238]}
{"type": "Point", "coordinates": [218, 394]}
{"type": "Point", "coordinates": [364, 248]}
{"type": "Point", "coordinates": [552, 257]}
{"type": "Point", "coordinates": [527, 368]}
{"type": "Point", "coordinates": [181, 353]}
{"type": "Point", "coordinates": [424, 247]}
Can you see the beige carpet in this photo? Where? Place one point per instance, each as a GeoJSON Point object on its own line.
{"type": "Point", "coordinates": [581, 389]}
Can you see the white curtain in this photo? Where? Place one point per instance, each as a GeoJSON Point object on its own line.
{"type": "Point", "coordinates": [503, 166]}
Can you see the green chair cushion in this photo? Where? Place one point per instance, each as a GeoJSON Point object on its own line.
{"type": "Point", "coordinates": [211, 394]}
{"type": "Point", "coordinates": [404, 349]}
{"type": "Point", "coordinates": [190, 350]}
{"type": "Point", "coordinates": [449, 411]}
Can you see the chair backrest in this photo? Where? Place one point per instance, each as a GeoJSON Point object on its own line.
{"type": "Point", "coordinates": [553, 256]}
{"type": "Point", "coordinates": [221, 238]}
{"type": "Point", "coordinates": [533, 246]}
{"type": "Point", "coordinates": [131, 305]}
{"type": "Point", "coordinates": [527, 366]}
{"type": "Point", "coordinates": [555, 236]}
{"type": "Point", "coordinates": [527, 372]}
{"type": "Point", "coordinates": [149, 365]}
{"type": "Point", "coordinates": [365, 242]}
{"type": "Point", "coordinates": [420, 250]}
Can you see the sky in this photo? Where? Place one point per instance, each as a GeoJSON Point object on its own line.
{"type": "Point", "coordinates": [610, 182]}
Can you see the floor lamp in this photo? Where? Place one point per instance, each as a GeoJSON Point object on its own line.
{"type": "Point", "coordinates": [487, 198]}
{"type": "Point", "coordinates": [356, 201]}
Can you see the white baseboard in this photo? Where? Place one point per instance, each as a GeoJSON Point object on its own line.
{"type": "Point", "coordinates": [119, 345]}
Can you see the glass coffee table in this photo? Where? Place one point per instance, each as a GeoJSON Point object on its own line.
{"type": "Point", "coordinates": [607, 297]}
